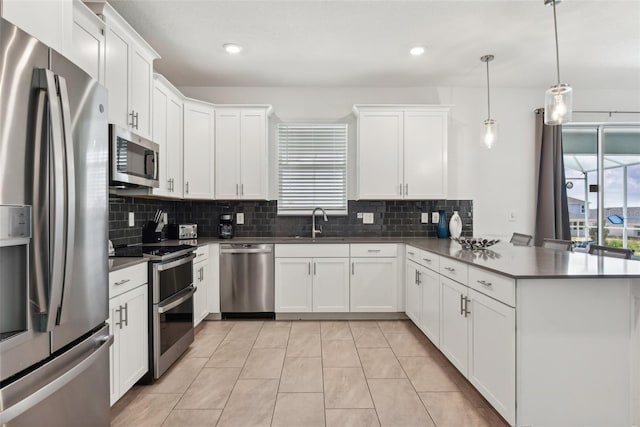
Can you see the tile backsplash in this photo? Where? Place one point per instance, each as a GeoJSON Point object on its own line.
{"type": "Point", "coordinates": [392, 218]}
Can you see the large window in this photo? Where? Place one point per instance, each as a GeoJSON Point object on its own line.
{"type": "Point", "coordinates": [615, 200]}
{"type": "Point", "coordinates": [312, 168]}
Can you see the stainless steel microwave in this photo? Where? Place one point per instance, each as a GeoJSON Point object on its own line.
{"type": "Point", "coordinates": [134, 159]}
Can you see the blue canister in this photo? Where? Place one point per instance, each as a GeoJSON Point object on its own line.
{"type": "Point", "coordinates": [442, 230]}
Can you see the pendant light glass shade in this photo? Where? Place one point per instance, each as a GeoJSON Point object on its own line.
{"type": "Point", "coordinates": [489, 133]}
{"type": "Point", "coordinates": [558, 99]}
{"type": "Point", "coordinates": [489, 126]}
{"type": "Point", "coordinates": [558, 104]}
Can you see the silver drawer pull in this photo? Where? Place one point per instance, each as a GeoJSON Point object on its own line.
{"type": "Point", "coordinates": [199, 255]}
{"type": "Point", "coordinates": [122, 282]}
{"type": "Point", "coordinates": [482, 282]}
{"type": "Point", "coordinates": [373, 250]}
{"type": "Point", "coordinates": [451, 269]}
{"type": "Point", "coordinates": [426, 259]}
{"type": "Point", "coordinates": [411, 253]}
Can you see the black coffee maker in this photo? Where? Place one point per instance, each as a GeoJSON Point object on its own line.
{"type": "Point", "coordinates": [225, 228]}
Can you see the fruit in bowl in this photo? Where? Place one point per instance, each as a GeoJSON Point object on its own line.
{"type": "Point", "coordinates": [473, 243]}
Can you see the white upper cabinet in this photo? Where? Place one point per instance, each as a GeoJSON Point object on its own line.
{"type": "Point", "coordinates": [167, 133]}
{"type": "Point", "coordinates": [402, 152]}
{"type": "Point", "coordinates": [199, 132]}
{"type": "Point", "coordinates": [241, 152]}
{"type": "Point", "coordinates": [87, 41]}
{"type": "Point", "coordinates": [48, 21]}
{"type": "Point", "coordinates": [128, 72]}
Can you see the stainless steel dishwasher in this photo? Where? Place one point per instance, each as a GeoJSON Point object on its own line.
{"type": "Point", "coordinates": [246, 280]}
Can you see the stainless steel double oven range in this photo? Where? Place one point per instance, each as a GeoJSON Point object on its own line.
{"type": "Point", "coordinates": [171, 310]}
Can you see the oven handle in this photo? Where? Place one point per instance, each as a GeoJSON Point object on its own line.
{"type": "Point", "coordinates": [168, 265]}
{"type": "Point", "coordinates": [181, 297]}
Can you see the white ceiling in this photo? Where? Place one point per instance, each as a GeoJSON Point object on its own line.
{"type": "Point", "coordinates": [366, 43]}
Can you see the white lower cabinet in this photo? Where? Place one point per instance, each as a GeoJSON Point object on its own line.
{"type": "Point", "coordinates": [202, 280]}
{"type": "Point", "coordinates": [128, 320]}
{"type": "Point", "coordinates": [429, 282]}
{"type": "Point", "coordinates": [293, 285]}
{"type": "Point", "coordinates": [454, 331]}
{"type": "Point", "coordinates": [330, 285]}
{"type": "Point", "coordinates": [413, 302]}
{"type": "Point", "coordinates": [213, 291]}
{"type": "Point", "coordinates": [374, 284]}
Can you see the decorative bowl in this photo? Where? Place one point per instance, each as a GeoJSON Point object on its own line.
{"type": "Point", "coordinates": [474, 243]}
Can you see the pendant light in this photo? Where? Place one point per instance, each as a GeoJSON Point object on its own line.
{"type": "Point", "coordinates": [558, 98]}
{"type": "Point", "coordinates": [490, 126]}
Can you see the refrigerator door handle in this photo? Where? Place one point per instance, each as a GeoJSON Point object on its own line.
{"type": "Point", "coordinates": [58, 174]}
{"type": "Point", "coordinates": [70, 193]}
{"type": "Point", "coordinates": [101, 343]}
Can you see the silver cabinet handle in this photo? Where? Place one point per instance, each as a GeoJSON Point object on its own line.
{"type": "Point", "coordinates": [314, 269]}
{"type": "Point", "coordinates": [237, 193]}
{"type": "Point", "coordinates": [406, 189]}
{"type": "Point", "coordinates": [309, 268]}
{"type": "Point", "coordinates": [136, 117]}
{"type": "Point", "coordinates": [426, 259]}
{"type": "Point", "coordinates": [242, 189]}
{"type": "Point", "coordinates": [169, 185]}
{"type": "Point", "coordinates": [126, 314]}
{"type": "Point", "coordinates": [373, 250]}
{"type": "Point", "coordinates": [353, 268]}
{"type": "Point", "coordinates": [418, 274]}
{"type": "Point", "coordinates": [132, 124]}
{"type": "Point", "coordinates": [119, 322]}
{"type": "Point", "coordinates": [415, 277]}
{"type": "Point", "coordinates": [461, 305]}
{"type": "Point", "coordinates": [466, 307]}
{"type": "Point", "coordinates": [122, 282]}
{"type": "Point", "coordinates": [187, 186]}
{"type": "Point", "coordinates": [482, 282]}
{"type": "Point", "coordinates": [199, 255]}
{"type": "Point", "coordinates": [411, 253]}
{"type": "Point", "coordinates": [450, 269]}
{"type": "Point", "coordinates": [201, 274]}
{"type": "Point", "coordinates": [401, 189]}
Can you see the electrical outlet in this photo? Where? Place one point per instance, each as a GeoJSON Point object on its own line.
{"type": "Point", "coordinates": [512, 216]}
{"type": "Point", "coordinates": [435, 217]}
{"type": "Point", "coordinates": [424, 217]}
{"type": "Point", "coordinates": [132, 219]}
{"type": "Point", "coordinates": [367, 218]}
{"type": "Point", "coordinates": [240, 218]}
{"type": "Point", "coordinates": [359, 215]}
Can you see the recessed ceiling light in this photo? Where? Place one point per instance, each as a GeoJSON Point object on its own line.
{"type": "Point", "coordinates": [232, 48]}
{"type": "Point", "coordinates": [417, 50]}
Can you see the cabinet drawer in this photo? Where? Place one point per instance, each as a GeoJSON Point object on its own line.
{"type": "Point", "coordinates": [494, 285]}
{"type": "Point", "coordinates": [455, 270]}
{"type": "Point", "coordinates": [429, 260]}
{"type": "Point", "coordinates": [374, 250]}
{"type": "Point", "coordinates": [412, 253]}
{"type": "Point", "coordinates": [124, 280]}
{"type": "Point", "coordinates": [202, 253]}
{"type": "Point", "coordinates": [319, 250]}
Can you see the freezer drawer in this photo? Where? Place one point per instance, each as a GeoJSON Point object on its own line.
{"type": "Point", "coordinates": [70, 390]}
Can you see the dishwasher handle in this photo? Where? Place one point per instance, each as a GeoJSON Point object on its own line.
{"type": "Point", "coordinates": [245, 250]}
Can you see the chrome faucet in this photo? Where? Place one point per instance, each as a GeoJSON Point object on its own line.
{"type": "Point", "coordinates": [313, 222]}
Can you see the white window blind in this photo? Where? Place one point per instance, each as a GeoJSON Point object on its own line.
{"type": "Point", "coordinates": [312, 168]}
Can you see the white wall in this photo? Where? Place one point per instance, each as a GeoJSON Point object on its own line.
{"type": "Point", "coordinates": [499, 181]}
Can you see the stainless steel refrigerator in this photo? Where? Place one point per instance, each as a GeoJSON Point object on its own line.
{"type": "Point", "coordinates": [54, 342]}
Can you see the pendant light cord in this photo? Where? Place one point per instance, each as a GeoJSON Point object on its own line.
{"type": "Point", "coordinates": [555, 26]}
{"type": "Point", "coordinates": [488, 94]}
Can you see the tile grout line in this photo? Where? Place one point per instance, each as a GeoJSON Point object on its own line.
{"type": "Point", "coordinates": [324, 402]}
{"type": "Point", "coordinates": [281, 370]}
{"type": "Point", "coordinates": [366, 380]}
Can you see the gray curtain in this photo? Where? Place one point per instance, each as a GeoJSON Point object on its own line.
{"type": "Point", "coordinates": [552, 210]}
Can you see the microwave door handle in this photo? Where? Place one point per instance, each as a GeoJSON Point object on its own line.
{"type": "Point", "coordinates": [57, 174]}
{"type": "Point", "coordinates": [70, 194]}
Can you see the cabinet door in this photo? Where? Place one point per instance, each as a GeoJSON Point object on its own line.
{"type": "Point", "coordinates": [492, 352]}
{"type": "Point", "coordinates": [453, 323]}
{"type": "Point", "coordinates": [200, 280]}
{"type": "Point", "coordinates": [331, 284]}
{"type": "Point", "coordinates": [141, 86]}
{"type": "Point", "coordinates": [160, 102]}
{"type": "Point", "coordinates": [87, 41]}
{"type": "Point", "coordinates": [228, 154]}
{"type": "Point", "coordinates": [116, 76]}
{"type": "Point", "coordinates": [114, 351]}
{"type": "Point", "coordinates": [45, 20]}
{"type": "Point", "coordinates": [198, 151]}
{"type": "Point", "coordinates": [134, 354]}
{"type": "Point", "coordinates": [213, 293]}
{"type": "Point", "coordinates": [430, 314]}
{"type": "Point", "coordinates": [380, 155]}
{"type": "Point", "coordinates": [174, 146]}
{"type": "Point", "coordinates": [293, 285]}
{"type": "Point", "coordinates": [425, 155]}
{"type": "Point", "coordinates": [374, 284]}
{"type": "Point", "coordinates": [253, 155]}
{"type": "Point", "coordinates": [413, 293]}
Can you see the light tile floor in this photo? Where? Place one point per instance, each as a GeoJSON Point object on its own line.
{"type": "Point", "coordinates": [307, 374]}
